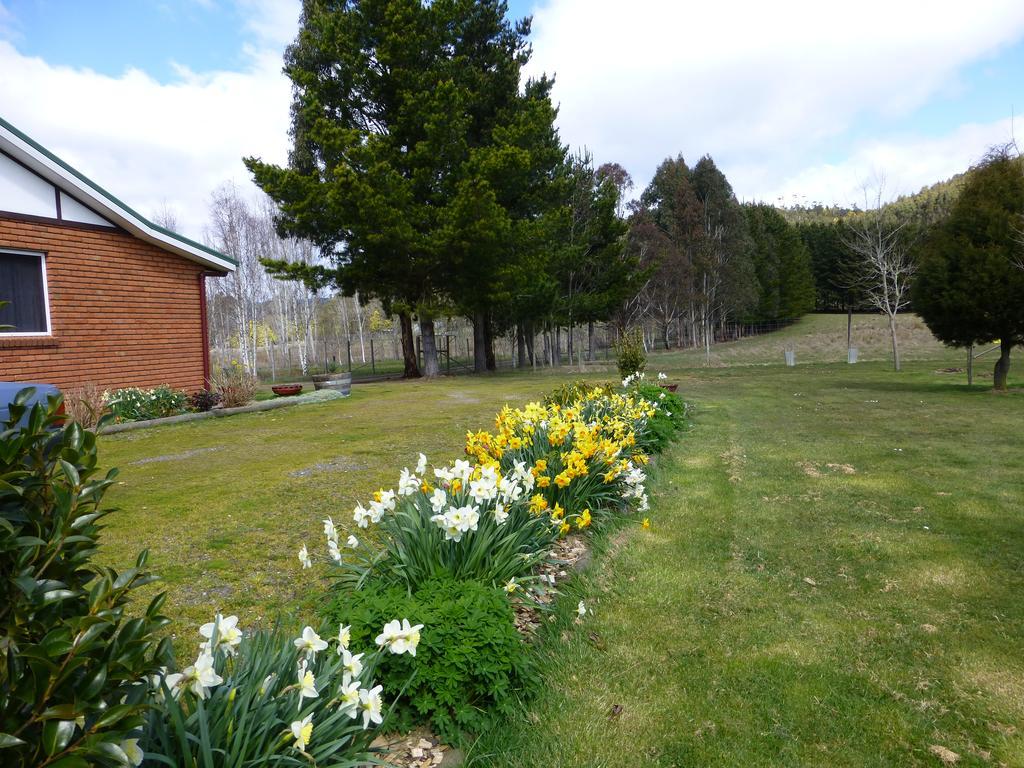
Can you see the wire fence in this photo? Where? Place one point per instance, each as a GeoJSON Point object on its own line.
{"type": "Point", "coordinates": [380, 356]}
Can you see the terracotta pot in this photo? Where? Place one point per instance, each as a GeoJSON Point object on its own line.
{"type": "Point", "coordinates": [670, 387]}
{"type": "Point", "coordinates": [286, 390]}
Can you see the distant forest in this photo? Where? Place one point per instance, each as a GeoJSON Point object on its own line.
{"type": "Point", "coordinates": [824, 231]}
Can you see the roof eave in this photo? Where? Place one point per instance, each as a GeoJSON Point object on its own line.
{"type": "Point", "coordinates": [47, 165]}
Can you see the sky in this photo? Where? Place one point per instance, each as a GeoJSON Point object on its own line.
{"type": "Point", "coordinates": [797, 101]}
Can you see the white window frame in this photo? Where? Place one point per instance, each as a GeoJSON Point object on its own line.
{"type": "Point", "coordinates": [46, 297]}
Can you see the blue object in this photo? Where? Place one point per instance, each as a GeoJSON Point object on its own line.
{"type": "Point", "coordinates": [10, 389]}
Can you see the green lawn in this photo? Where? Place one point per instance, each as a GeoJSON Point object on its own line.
{"type": "Point", "coordinates": [833, 576]}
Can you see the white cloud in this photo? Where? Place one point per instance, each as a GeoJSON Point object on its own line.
{"type": "Point", "coordinates": [763, 87]}
{"type": "Point", "coordinates": [157, 145]}
{"type": "Point", "coordinates": [905, 163]}
{"type": "Point", "coordinates": [769, 89]}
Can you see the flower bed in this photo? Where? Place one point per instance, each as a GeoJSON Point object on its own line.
{"type": "Point", "coordinates": [490, 522]}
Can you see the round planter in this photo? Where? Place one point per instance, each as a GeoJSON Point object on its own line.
{"type": "Point", "coordinates": [286, 390]}
{"type": "Point", "coordinates": [340, 382]}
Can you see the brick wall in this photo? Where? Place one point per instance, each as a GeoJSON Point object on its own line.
{"type": "Point", "coordinates": [122, 312]}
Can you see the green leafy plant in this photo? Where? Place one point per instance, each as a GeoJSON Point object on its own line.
{"type": "Point", "coordinates": [472, 665]}
{"type": "Point", "coordinates": [415, 548]}
{"type": "Point", "coordinates": [254, 696]}
{"type": "Point", "coordinates": [574, 391]}
{"type": "Point", "coordinates": [668, 419]}
{"type": "Point", "coordinates": [631, 356]}
{"type": "Point", "coordinates": [74, 663]}
{"type": "Point", "coordinates": [135, 404]}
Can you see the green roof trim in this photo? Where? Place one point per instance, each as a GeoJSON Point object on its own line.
{"type": "Point", "coordinates": [115, 201]}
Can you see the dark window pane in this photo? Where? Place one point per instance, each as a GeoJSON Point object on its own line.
{"type": "Point", "coordinates": [21, 284]}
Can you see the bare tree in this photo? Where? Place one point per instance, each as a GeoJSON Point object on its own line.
{"type": "Point", "coordinates": [883, 268]}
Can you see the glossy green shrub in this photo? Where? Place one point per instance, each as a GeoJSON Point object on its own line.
{"type": "Point", "coordinates": [73, 664]}
{"type": "Point", "coordinates": [471, 668]}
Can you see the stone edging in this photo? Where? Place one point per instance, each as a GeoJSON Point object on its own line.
{"type": "Point", "coordinates": [265, 405]}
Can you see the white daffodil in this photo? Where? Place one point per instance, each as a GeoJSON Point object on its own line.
{"type": "Point", "coordinates": [444, 474]}
{"type": "Point", "coordinates": [304, 558]}
{"type": "Point", "coordinates": [437, 500]}
{"type": "Point", "coordinates": [348, 697]}
{"type": "Point", "coordinates": [344, 637]}
{"type": "Point", "coordinates": [370, 704]}
{"type": "Point", "coordinates": [307, 683]}
{"type": "Point", "coordinates": [377, 510]}
{"type": "Point", "coordinates": [174, 683]}
{"type": "Point", "coordinates": [408, 483]}
{"type": "Point", "coordinates": [452, 531]}
{"type": "Point", "coordinates": [662, 377]}
{"type": "Point", "coordinates": [511, 585]}
{"type": "Point", "coordinates": [581, 609]}
{"type": "Point", "coordinates": [200, 677]}
{"type": "Point", "coordinates": [411, 635]}
{"type": "Point", "coordinates": [482, 490]}
{"type": "Point", "coordinates": [309, 643]}
{"type": "Point", "coordinates": [387, 500]}
{"type": "Point", "coordinates": [351, 664]}
{"type": "Point", "coordinates": [302, 731]}
{"type": "Point", "coordinates": [130, 747]}
{"type": "Point", "coordinates": [467, 517]}
{"type": "Point", "coordinates": [421, 465]}
{"type": "Point", "coordinates": [462, 470]}
{"type": "Point", "coordinates": [333, 551]}
{"type": "Point", "coordinates": [352, 542]}
{"type": "Point", "coordinates": [500, 513]}
{"type": "Point", "coordinates": [390, 634]}
{"type": "Point", "coordinates": [329, 530]}
{"type": "Point", "coordinates": [400, 637]}
{"type": "Point", "coordinates": [361, 516]}
{"type": "Point", "coordinates": [228, 634]}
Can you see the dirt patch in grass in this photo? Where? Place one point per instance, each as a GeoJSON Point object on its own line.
{"type": "Point", "coordinates": [815, 469]}
{"type": "Point", "coordinates": [337, 464]}
{"type": "Point", "coordinates": [175, 456]}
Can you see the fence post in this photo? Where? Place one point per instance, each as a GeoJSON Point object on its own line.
{"type": "Point", "coordinates": [970, 365]}
{"type": "Point", "coordinates": [448, 351]}
{"type": "Point", "coordinates": [373, 360]}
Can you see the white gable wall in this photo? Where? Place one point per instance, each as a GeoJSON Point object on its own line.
{"type": "Point", "coordinates": [21, 191]}
{"type": "Point", "coordinates": [72, 210]}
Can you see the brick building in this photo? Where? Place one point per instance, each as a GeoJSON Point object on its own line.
{"type": "Point", "coordinates": [97, 294]}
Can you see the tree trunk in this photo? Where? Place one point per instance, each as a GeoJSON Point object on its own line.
{"type": "Point", "coordinates": [556, 347]}
{"type": "Point", "coordinates": [520, 346]}
{"type": "Point", "coordinates": [412, 368]}
{"type": "Point", "coordinates": [530, 338]}
{"type": "Point", "coordinates": [431, 365]}
{"type": "Point", "coordinates": [895, 343]}
{"type": "Point", "coordinates": [489, 345]}
{"type": "Point", "coordinates": [479, 342]}
{"type": "Point", "coordinates": [1002, 368]}
{"type": "Point", "coordinates": [590, 341]}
